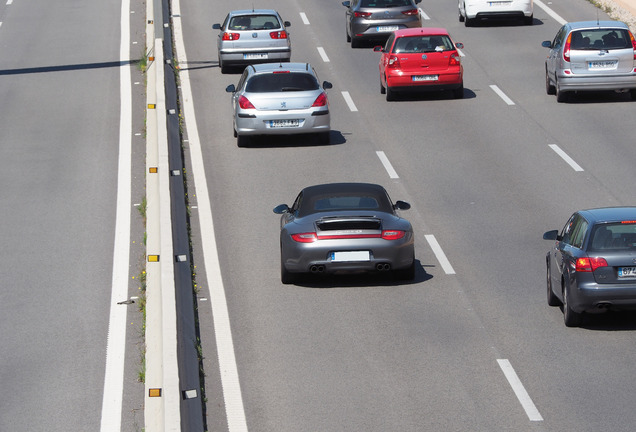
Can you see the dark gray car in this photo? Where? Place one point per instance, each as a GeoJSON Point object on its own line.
{"type": "Point", "coordinates": [592, 265]}
{"type": "Point", "coordinates": [345, 227]}
{"type": "Point", "coordinates": [377, 19]}
{"type": "Point", "coordinates": [591, 55]}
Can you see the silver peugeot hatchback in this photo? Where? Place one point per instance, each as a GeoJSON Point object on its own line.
{"type": "Point", "coordinates": [252, 36]}
{"type": "Point", "coordinates": [591, 55]}
{"type": "Point", "coordinates": [280, 99]}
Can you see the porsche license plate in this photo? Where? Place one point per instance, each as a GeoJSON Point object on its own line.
{"type": "Point", "coordinates": [627, 272]}
{"type": "Point", "coordinates": [255, 56]}
{"type": "Point", "coordinates": [284, 123]}
{"type": "Point", "coordinates": [350, 256]}
{"type": "Point", "coordinates": [424, 77]}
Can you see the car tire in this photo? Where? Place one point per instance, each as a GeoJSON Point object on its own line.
{"type": "Point", "coordinates": [242, 140]}
{"type": "Point", "coordinates": [406, 274]}
{"type": "Point", "coordinates": [382, 89]}
{"type": "Point", "coordinates": [458, 93]}
{"type": "Point", "coordinates": [549, 88]}
{"type": "Point", "coordinates": [223, 66]}
{"type": "Point", "coordinates": [632, 92]}
{"type": "Point", "coordinates": [528, 20]}
{"type": "Point", "coordinates": [468, 22]}
{"type": "Point", "coordinates": [348, 37]}
{"type": "Point", "coordinates": [561, 96]}
{"type": "Point", "coordinates": [461, 17]}
{"type": "Point", "coordinates": [570, 318]}
{"type": "Point", "coordinates": [286, 277]}
{"type": "Point", "coordinates": [553, 300]}
{"type": "Point", "coordinates": [355, 43]}
{"type": "Point", "coordinates": [390, 94]}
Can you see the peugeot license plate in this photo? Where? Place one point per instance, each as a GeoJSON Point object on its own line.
{"type": "Point", "coordinates": [424, 77]}
{"type": "Point", "coordinates": [284, 123]}
{"type": "Point", "coordinates": [350, 256]}
{"type": "Point", "coordinates": [626, 272]}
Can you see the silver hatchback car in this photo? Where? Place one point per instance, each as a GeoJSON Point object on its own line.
{"type": "Point", "coordinates": [591, 55]}
{"type": "Point", "coordinates": [377, 19]}
{"type": "Point", "coordinates": [280, 99]}
{"type": "Point", "coordinates": [252, 36]}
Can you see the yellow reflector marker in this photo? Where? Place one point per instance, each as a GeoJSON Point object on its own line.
{"type": "Point", "coordinates": [154, 392]}
{"type": "Point", "coordinates": [152, 170]}
{"type": "Point", "coordinates": [151, 106]}
{"type": "Point", "coordinates": [153, 258]}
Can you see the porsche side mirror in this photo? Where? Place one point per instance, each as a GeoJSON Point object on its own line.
{"type": "Point", "coordinates": [282, 208]}
{"type": "Point", "coordinates": [401, 205]}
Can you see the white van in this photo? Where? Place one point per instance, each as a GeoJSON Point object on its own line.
{"type": "Point", "coordinates": [472, 10]}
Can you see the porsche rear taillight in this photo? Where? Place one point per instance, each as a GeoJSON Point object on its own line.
{"type": "Point", "coordinates": [590, 264]}
{"type": "Point", "coordinates": [392, 234]}
{"type": "Point", "coordinates": [393, 62]}
{"type": "Point", "coordinates": [454, 60]}
{"type": "Point", "coordinates": [362, 14]}
{"type": "Point", "coordinates": [282, 34]}
{"type": "Point", "coordinates": [227, 36]}
{"type": "Point", "coordinates": [566, 48]}
{"type": "Point", "coordinates": [411, 12]}
{"type": "Point", "coordinates": [321, 100]}
{"type": "Point", "coordinates": [309, 237]}
{"type": "Point", "coordinates": [245, 103]}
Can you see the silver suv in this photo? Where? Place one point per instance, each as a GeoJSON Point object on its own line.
{"type": "Point", "coordinates": [591, 55]}
{"type": "Point", "coordinates": [252, 36]}
{"type": "Point", "coordinates": [378, 19]}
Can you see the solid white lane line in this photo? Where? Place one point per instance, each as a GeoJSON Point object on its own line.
{"type": "Point", "coordinates": [234, 408]}
{"type": "Point", "coordinates": [116, 339]}
{"type": "Point", "coordinates": [423, 15]}
{"type": "Point", "coordinates": [349, 101]}
{"type": "Point", "coordinates": [550, 12]}
{"type": "Point", "coordinates": [502, 95]}
{"type": "Point", "coordinates": [520, 391]}
{"type": "Point", "coordinates": [323, 54]}
{"type": "Point", "coordinates": [9, 2]}
{"type": "Point", "coordinates": [304, 18]}
{"type": "Point", "coordinates": [439, 254]}
{"type": "Point", "coordinates": [565, 157]}
{"type": "Point", "coordinates": [387, 165]}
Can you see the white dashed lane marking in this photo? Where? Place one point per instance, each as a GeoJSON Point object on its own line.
{"type": "Point", "coordinates": [439, 254]}
{"type": "Point", "coordinates": [387, 165]}
{"type": "Point", "coordinates": [349, 101]}
{"type": "Point", "coordinates": [520, 391]}
{"type": "Point", "coordinates": [323, 54]}
{"type": "Point", "coordinates": [303, 17]}
{"type": "Point", "coordinates": [502, 95]}
{"type": "Point", "coordinates": [565, 157]}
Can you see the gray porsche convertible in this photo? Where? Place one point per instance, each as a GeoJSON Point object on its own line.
{"type": "Point", "coordinates": [344, 228]}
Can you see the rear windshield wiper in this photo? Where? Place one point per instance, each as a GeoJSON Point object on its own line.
{"type": "Point", "coordinates": [286, 89]}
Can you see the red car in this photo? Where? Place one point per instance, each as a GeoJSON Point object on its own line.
{"type": "Point", "coordinates": [421, 58]}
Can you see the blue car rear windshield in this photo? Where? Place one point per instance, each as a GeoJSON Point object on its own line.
{"type": "Point", "coordinates": [280, 82]}
{"type": "Point", "coordinates": [613, 237]}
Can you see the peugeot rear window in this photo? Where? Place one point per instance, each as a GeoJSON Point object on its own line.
{"type": "Point", "coordinates": [613, 236]}
{"type": "Point", "coordinates": [280, 82]}
{"type": "Point", "coordinates": [600, 38]}
{"type": "Point", "coordinates": [385, 3]}
{"type": "Point", "coordinates": [254, 22]}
